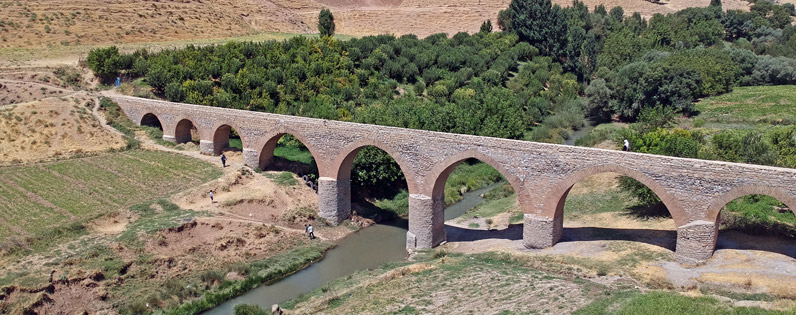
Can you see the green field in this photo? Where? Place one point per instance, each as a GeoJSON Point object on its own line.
{"type": "Point", "coordinates": [36, 198]}
{"type": "Point", "coordinates": [751, 104]}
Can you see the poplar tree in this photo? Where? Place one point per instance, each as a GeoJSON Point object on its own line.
{"type": "Point", "coordinates": [326, 23]}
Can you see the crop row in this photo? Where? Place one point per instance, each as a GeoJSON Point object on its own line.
{"type": "Point", "coordinates": [191, 167]}
{"type": "Point", "coordinates": [59, 191]}
{"type": "Point", "coordinates": [104, 183]}
{"type": "Point", "coordinates": [18, 210]}
{"type": "Point", "coordinates": [91, 186]}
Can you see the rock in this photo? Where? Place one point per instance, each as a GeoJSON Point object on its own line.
{"type": "Point", "coordinates": [275, 309]}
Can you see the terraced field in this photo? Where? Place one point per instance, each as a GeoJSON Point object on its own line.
{"type": "Point", "coordinates": [36, 198]}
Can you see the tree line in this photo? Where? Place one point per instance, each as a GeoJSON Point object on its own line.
{"type": "Point", "coordinates": [536, 80]}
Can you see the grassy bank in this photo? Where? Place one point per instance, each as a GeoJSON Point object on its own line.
{"type": "Point", "coordinates": [260, 272]}
{"type": "Point", "coordinates": [494, 283]}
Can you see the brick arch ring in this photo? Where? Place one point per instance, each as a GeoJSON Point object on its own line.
{"type": "Point", "coordinates": [178, 122]}
{"type": "Point", "coordinates": [343, 162]}
{"type": "Point", "coordinates": [715, 208]}
{"type": "Point", "coordinates": [435, 182]}
{"type": "Point", "coordinates": [149, 114]}
{"type": "Point", "coordinates": [267, 144]}
{"type": "Point", "coordinates": [218, 128]}
{"type": "Point", "coordinates": [555, 200]}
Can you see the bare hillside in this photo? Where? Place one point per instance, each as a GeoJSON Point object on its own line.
{"type": "Point", "coordinates": [36, 23]}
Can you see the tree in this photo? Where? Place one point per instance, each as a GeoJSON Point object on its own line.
{"type": "Point", "coordinates": [157, 77]}
{"type": "Point", "coordinates": [504, 20]}
{"type": "Point", "coordinates": [599, 96]}
{"type": "Point", "coordinates": [715, 3]}
{"type": "Point", "coordinates": [486, 27]}
{"type": "Point", "coordinates": [541, 24]}
{"type": "Point", "coordinates": [105, 62]}
{"type": "Point", "coordinates": [326, 23]}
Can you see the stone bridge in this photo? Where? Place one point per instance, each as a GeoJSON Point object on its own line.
{"type": "Point", "coordinates": [694, 191]}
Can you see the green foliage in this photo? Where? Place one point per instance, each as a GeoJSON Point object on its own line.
{"type": "Point", "coordinates": [755, 214]}
{"type": "Point", "coordinates": [283, 179]}
{"type": "Point", "coordinates": [249, 309]}
{"type": "Point", "coordinates": [541, 24]}
{"type": "Point", "coordinates": [398, 204]}
{"type": "Point", "coordinates": [743, 146]}
{"type": "Point", "coordinates": [468, 176]}
{"type": "Point", "coordinates": [656, 302]}
{"type": "Point", "coordinates": [106, 62]}
{"type": "Point", "coordinates": [326, 23]}
{"type": "Point", "coordinates": [486, 27]}
{"type": "Point", "coordinates": [374, 167]}
{"type": "Point", "coordinates": [597, 135]}
{"type": "Point", "coordinates": [675, 142]}
{"type": "Point", "coordinates": [119, 121]}
{"type": "Point", "coordinates": [641, 85]}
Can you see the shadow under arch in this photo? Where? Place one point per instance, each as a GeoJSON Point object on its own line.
{"type": "Point", "coordinates": [558, 194]}
{"type": "Point", "coordinates": [741, 239]}
{"type": "Point", "coordinates": [182, 131]}
{"type": "Point", "coordinates": [360, 197]}
{"type": "Point", "coordinates": [266, 153]}
{"type": "Point", "coordinates": [221, 136]}
{"type": "Point", "coordinates": [151, 120]}
{"type": "Point", "coordinates": [435, 185]}
{"type": "Point", "coordinates": [555, 202]}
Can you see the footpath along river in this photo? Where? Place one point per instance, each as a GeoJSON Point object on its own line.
{"type": "Point", "coordinates": [367, 248]}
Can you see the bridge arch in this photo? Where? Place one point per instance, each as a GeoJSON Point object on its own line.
{"type": "Point", "coordinates": [345, 161]}
{"type": "Point", "coordinates": [715, 208]}
{"type": "Point", "coordinates": [554, 202]}
{"type": "Point", "coordinates": [151, 120]}
{"type": "Point", "coordinates": [182, 131]}
{"type": "Point", "coordinates": [221, 133]}
{"type": "Point", "coordinates": [427, 209]}
{"type": "Point", "coordinates": [439, 174]}
{"type": "Point", "coordinates": [334, 184]}
{"type": "Point", "coordinates": [266, 150]}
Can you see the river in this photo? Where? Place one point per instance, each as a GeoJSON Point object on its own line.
{"type": "Point", "coordinates": [365, 249]}
{"type": "Point", "coordinates": [588, 125]}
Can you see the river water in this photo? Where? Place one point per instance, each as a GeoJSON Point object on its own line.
{"type": "Point", "coordinates": [588, 125]}
{"type": "Point", "coordinates": [365, 249]}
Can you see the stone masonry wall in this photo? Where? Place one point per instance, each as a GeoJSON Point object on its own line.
{"type": "Point", "coordinates": [694, 190]}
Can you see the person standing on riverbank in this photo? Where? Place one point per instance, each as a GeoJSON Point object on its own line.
{"type": "Point", "coordinates": [309, 230]}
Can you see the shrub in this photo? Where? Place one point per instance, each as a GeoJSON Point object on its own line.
{"type": "Point", "coordinates": [249, 309]}
{"type": "Point", "coordinates": [298, 215]}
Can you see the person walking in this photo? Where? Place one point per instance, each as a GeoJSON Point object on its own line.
{"type": "Point", "coordinates": [223, 160]}
{"type": "Point", "coordinates": [309, 230]}
{"type": "Point", "coordinates": [626, 146]}
{"type": "Point", "coordinates": [211, 197]}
